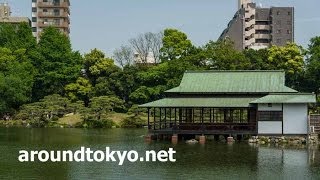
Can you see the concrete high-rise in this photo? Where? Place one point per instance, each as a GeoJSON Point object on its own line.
{"type": "Point", "coordinates": [256, 27]}
{"type": "Point", "coordinates": [47, 13]}
{"type": "Point", "coordinates": [5, 15]}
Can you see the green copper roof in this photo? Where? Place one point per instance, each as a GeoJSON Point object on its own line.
{"type": "Point", "coordinates": [232, 82]}
{"type": "Point", "coordinates": [287, 98]}
{"type": "Point", "coordinates": [202, 102]}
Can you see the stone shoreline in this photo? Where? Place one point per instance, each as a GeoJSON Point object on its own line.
{"type": "Point", "coordinates": [291, 140]}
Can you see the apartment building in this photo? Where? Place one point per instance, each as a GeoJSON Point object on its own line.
{"type": "Point", "coordinates": [256, 27]}
{"type": "Point", "coordinates": [47, 13]}
{"type": "Point", "coordinates": [5, 15]}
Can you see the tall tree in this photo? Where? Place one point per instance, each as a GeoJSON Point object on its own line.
{"type": "Point", "coordinates": [96, 65]}
{"type": "Point", "coordinates": [124, 56]}
{"type": "Point", "coordinates": [147, 43]}
{"type": "Point", "coordinates": [16, 79]}
{"type": "Point", "coordinates": [221, 55]}
{"type": "Point", "coordinates": [175, 44]}
{"type": "Point", "coordinates": [57, 64]}
{"type": "Point", "coordinates": [312, 75]}
{"type": "Point", "coordinates": [288, 58]}
{"type": "Point", "coordinates": [17, 36]}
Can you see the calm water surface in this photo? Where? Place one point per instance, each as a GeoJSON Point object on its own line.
{"type": "Point", "coordinates": [211, 161]}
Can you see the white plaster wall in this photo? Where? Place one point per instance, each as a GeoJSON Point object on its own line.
{"type": "Point", "coordinates": [269, 127]}
{"type": "Point", "coordinates": [295, 118]}
{"type": "Point", "coordinates": [265, 107]}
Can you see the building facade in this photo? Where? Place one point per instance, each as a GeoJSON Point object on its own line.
{"type": "Point", "coordinates": [256, 27]}
{"type": "Point", "coordinates": [5, 15]}
{"type": "Point", "coordinates": [47, 13]}
{"type": "Point", "coordinates": [230, 103]}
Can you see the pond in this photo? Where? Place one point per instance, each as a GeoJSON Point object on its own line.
{"type": "Point", "coordinates": [211, 161]}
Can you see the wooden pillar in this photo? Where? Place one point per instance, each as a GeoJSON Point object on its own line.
{"type": "Point", "coordinates": [210, 115]}
{"type": "Point", "coordinates": [154, 118]}
{"type": "Point", "coordinates": [175, 116]}
{"type": "Point", "coordinates": [160, 118]}
{"type": "Point", "coordinates": [148, 138]}
{"type": "Point", "coordinates": [170, 125]}
{"type": "Point", "coordinates": [165, 118]}
{"type": "Point", "coordinates": [148, 118]}
{"type": "Point", "coordinates": [174, 139]}
{"type": "Point", "coordinates": [202, 139]}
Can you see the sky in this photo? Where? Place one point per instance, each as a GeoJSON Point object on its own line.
{"type": "Point", "coordinates": [108, 24]}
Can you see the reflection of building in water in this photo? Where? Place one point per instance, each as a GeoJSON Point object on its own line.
{"type": "Point", "coordinates": [314, 155]}
{"type": "Point", "coordinates": [285, 163]}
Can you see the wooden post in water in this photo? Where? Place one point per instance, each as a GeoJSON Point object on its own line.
{"type": "Point", "coordinates": [202, 139]}
{"type": "Point", "coordinates": [174, 139]}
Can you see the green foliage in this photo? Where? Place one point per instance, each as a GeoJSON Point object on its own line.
{"type": "Point", "coordinates": [80, 90]}
{"type": "Point", "coordinates": [97, 65]}
{"type": "Point", "coordinates": [257, 59]}
{"type": "Point", "coordinates": [135, 119]}
{"type": "Point", "coordinates": [48, 109]}
{"type": "Point", "coordinates": [175, 45]}
{"type": "Point", "coordinates": [16, 37]}
{"type": "Point", "coordinates": [312, 75]}
{"type": "Point", "coordinates": [288, 58]}
{"type": "Point", "coordinates": [57, 64]}
{"type": "Point", "coordinates": [222, 56]}
{"type": "Point", "coordinates": [16, 79]}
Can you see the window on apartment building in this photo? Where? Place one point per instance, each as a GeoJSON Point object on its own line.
{"type": "Point", "coordinates": [262, 22]}
{"type": "Point", "coordinates": [56, 12]}
{"type": "Point", "coordinates": [56, 21]}
{"type": "Point", "coordinates": [262, 31]}
{"type": "Point", "coordinates": [34, 9]}
{"type": "Point", "coordinates": [289, 31]}
{"type": "Point", "coordinates": [278, 31]}
{"type": "Point", "coordinates": [45, 0]}
{"type": "Point", "coordinates": [34, 19]}
{"type": "Point", "coordinates": [289, 13]}
{"type": "Point", "coordinates": [34, 1]}
{"type": "Point", "coordinates": [278, 12]}
{"type": "Point", "coordinates": [34, 29]}
{"type": "Point", "coordinates": [45, 10]}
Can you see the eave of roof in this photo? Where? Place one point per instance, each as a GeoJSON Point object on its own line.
{"type": "Point", "coordinates": [287, 98]}
{"type": "Point", "coordinates": [202, 102]}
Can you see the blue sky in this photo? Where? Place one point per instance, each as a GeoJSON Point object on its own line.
{"type": "Point", "coordinates": [108, 24]}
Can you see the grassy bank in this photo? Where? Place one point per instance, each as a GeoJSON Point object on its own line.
{"type": "Point", "coordinates": [114, 120]}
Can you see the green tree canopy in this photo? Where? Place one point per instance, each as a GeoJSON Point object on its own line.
{"type": "Point", "coordinates": [221, 55]}
{"type": "Point", "coordinates": [175, 44]}
{"type": "Point", "coordinates": [288, 58]}
{"type": "Point", "coordinates": [57, 64]}
{"type": "Point", "coordinates": [16, 79]}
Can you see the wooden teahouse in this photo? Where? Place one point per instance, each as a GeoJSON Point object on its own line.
{"type": "Point", "coordinates": [230, 102]}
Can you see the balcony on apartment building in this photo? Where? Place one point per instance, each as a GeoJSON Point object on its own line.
{"type": "Point", "coordinates": [262, 27]}
{"type": "Point", "coordinates": [54, 24]}
{"type": "Point", "coordinates": [53, 4]}
{"type": "Point", "coordinates": [53, 14]}
{"type": "Point", "coordinates": [262, 36]}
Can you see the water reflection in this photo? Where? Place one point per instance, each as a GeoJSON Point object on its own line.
{"type": "Point", "coordinates": [210, 161]}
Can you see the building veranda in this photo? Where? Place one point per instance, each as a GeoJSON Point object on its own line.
{"type": "Point", "coordinates": [231, 102]}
